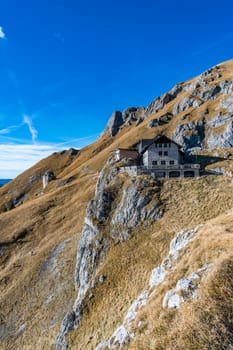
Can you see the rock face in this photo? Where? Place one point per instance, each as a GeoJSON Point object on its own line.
{"type": "Point", "coordinates": [138, 200]}
{"type": "Point", "coordinates": [190, 135]}
{"type": "Point", "coordinates": [114, 123]}
{"type": "Point", "coordinates": [207, 132]}
{"type": "Point", "coordinates": [120, 204]}
{"type": "Point", "coordinates": [48, 177]}
{"type": "Point", "coordinates": [204, 132]}
{"type": "Point", "coordinates": [135, 206]}
{"type": "Point", "coordinates": [162, 100]}
{"type": "Point", "coordinates": [119, 119]}
{"type": "Point", "coordinates": [186, 103]}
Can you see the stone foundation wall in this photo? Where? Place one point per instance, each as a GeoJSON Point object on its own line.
{"type": "Point", "coordinates": [181, 171]}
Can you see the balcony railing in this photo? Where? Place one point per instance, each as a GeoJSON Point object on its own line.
{"type": "Point", "coordinates": [164, 167]}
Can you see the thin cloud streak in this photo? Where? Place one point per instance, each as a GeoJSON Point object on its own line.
{"type": "Point", "coordinates": [9, 129]}
{"type": "Point", "coordinates": [34, 133]}
{"type": "Point", "coordinates": [16, 158]}
{"type": "Point", "coordinates": [5, 131]}
{"type": "Point", "coordinates": [80, 141]}
{"type": "Point", "coordinates": [2, 34]}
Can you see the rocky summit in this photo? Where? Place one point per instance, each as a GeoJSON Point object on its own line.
{"type": "Point", "coordinates": [95, 257]}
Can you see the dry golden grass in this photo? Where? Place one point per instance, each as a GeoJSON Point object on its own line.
{"type": "Point", "coordinates": [48, 220]}
{"type": "Point", "coordinates": [31, 231]}
{"type": "Point", "coordinates": [128, 265]}
{"type": "Point", "coordinates": [203, 323]}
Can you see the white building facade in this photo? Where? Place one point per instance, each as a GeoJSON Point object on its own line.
{"type": "Point", "coordinates": [160, 157]}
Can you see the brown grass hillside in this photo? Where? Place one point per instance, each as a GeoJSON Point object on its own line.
{"type": "Point", "coordinates": [40, 233]}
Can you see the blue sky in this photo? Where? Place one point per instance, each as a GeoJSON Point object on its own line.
{"type": "Point", "coordinates": [66, 65]}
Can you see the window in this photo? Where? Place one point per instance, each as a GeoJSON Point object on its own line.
{"type": "Point", "coordinates": [165, 145]}
{"type": "Point", "coordinates": [166, 153]}
{"type": "Point", "coordinates": [172, 162]}
{"type": "Point", "coordinates": [154, 162]}
{"type": "Point", "coordinates": [160, 144]}
{"type": "Point", "coordinates": [160, 153]}
{"type": "Point", "coordinates": [169, 145]}
{"type": "Point", "coordinates": [163, 162]}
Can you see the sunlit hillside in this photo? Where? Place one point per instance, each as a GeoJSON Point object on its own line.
{"type": "Point", "coordinates": [40, 231]}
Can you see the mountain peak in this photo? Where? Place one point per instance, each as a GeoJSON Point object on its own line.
{"type": "Point", "coordinates": [145, 252]}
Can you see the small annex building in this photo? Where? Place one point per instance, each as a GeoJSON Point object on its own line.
{"type": "Point", "coordinates": [160, 157]}
{"type": "Point", "coordinates": [125, 153]}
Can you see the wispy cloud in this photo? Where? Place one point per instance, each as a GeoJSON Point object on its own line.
{"type": "Point", "coordinates": [4, 131]}
{"type": "Point", "coordinates": [34, 133]}
{"type": "Point", "coordinates": [9, 129]}
{"type": "Point", "coordinates": [79, 142]}
{"type": "Point", "coordinates": [2, 34]}
{"type": "Point", "coordinates": [14, 159]}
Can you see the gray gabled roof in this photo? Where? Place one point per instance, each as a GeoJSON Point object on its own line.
{"type": "Point", "coordinates": [143, 145]}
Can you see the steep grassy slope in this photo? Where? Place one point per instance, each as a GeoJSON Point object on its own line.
{"type": "Point", "coordinates": [31, 282]}
{"type": "Point", "coordinates": [39, 232]}
{"type": "Point", "coordinates": [204, 322]}
{"type": "Point", "coordinates": [128, 266]}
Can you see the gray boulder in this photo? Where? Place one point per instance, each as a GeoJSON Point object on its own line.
{"type": "Point", "coordinates": [153, 123]}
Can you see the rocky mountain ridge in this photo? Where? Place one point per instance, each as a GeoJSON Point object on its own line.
{"type": "Point", "coordinates": [201, 133]}
{"type": "Point", "coordinates": [149, 253]}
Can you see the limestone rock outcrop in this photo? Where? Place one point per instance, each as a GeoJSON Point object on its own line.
{"type": "Point", "coordinates": [47, 178]}
{"type": "Point", "coordinates": [120, 119]}
{"type": "Point", "coordinates": [114, 123]}
{"type": "Point", "coordinates": [126, 331]}
{"type": "Point", "coordinates": [159, 103]}
{"type": "Point", "coordinates": [137, 201]}
{"type": "Point", "coordinates": [204, 132]}
{"type": "Point", "coordinates": [120, 203]}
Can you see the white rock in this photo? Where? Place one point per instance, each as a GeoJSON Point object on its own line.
{"type": "Point", "coordinates": [157, 276]}
{"type": "Point", "coordinates": [120, 336]}
{"type": "Point", "coordinates": [167, 296]}
{"type": "Point", "coordinates": [174, 301]}
{"type": "Point", "coordinates": [171, 300]}
{"type": "Point", "coordinates": [135, 306]}
{"type": "Point", "coordinates": [185, 284]}
{"type": "Point", "coordinates": [105, 344]}
{"type": "Point", "coordinates": [179, 242]}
